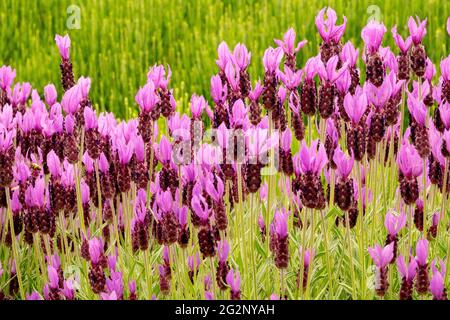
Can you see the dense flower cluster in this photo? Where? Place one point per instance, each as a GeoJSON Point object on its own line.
{"type": "Point", "coordinates": [166, 195]}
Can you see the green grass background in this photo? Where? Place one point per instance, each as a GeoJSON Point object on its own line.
{"type": "Point", "coordinates": [119, 40]}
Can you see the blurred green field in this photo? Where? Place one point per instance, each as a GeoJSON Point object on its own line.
{"type": "Point", "coordinates": [119, 40]}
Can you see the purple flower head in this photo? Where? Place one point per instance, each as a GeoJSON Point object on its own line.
{"type": "Point", "coordinates": [417, 108]}
{"type": "Point", "coordinates": [157, 75]}
{"type": "Point", "coordinates": [259, 142]}
{"type": "Point", "coordinates": [310, 69]}
{"type": "Point", "coordinates": [286, 140]}
{"type": "Point", "coordinates": [308, 256]}
{"type": "Point", "coordinates": [19, 94]}
{"type": "Point", "coordinates": [232, 75]}
{"type": "Point", "coordinates": [261, 223]}
{"type": "Point", "coordinates": [85, 86]}
{"type": "Point", "coordinates": [132, 286]}
{"type": "Point", "coordinates": [164, 151]}
{"type": "Point", "coordinates": [166, 255]}
{"type": "Point", "coordinates": [53, 277]}
{"type": "Point", "coordinates": [63, 44]}
{"type": "Point", "coordinates": [95, 249]}
{"type": "Point", "coordinates": [33, 296]}
{"type": "Point", "coordinates": [139, 148]}
{"type": "Point", "coordinates": [54, 164]}
{"type": "Point", "coordinates": [409, 161]}
{"type": "Point", "coordinates": [417, 29]}
{"type": "Point", "coordinates": [349, 54]}
{"type": "Point", "coordinates": [327, 28]}
{"type": "Point", "coordinates": [71, 99]}
{"type": "Point", "coordinates": [50, 94]}
{"type": "Point", "coordinates": [16, 206]}
{"type": "Point", "coordinates": [103, 164]}
{"type": "Point", "coordinates": [312, 159]}
{"type": "Point", "coordinates": [382, 256]}
{"type": "Point", "coordinates": [224, 55]}
{"type": "Point", "coordinates": [445, 69]}
{"type": "Point", "coordinates": [272, 58]}
{"type": "Point", "coordinates": [179, 127]}
{"type": "Point", "coordinates": [146, 97]}
{"type": "Point", "coordinates": [21, 171]}
{"type": "Point", "coordinates": [328, 72]}
{"type": "Point", "coordinates": [378, 96]}
{"type": "Point", "coordinates": [288, 43]}
{"type": "Point", "coordinates": [7, 76]}
{"type": "Point", "coordinates": [290, 78]}
{"type": "Point", "coordinates": [165, 201]}
{"type": "Point", "coordinates": [403, 45]}
{"type": "Point", "coordinates": [68, 290]}
{"type": "Point", "coordinates": [280, 221]}
{"type": "Point", "coordinates": [90, 119]}
{"type": "Point", "coordinates": [394, 223]}
{"type": "Point", "coordinates": [446, 139]}
{"type": "Point", "coordinates": [241, 56]}
{"type": "Point", "coordinates": [444, 112]}
{"type": "Point", "coordinates": [215, 193]}
{"type": "Point", "coordinates": [407, 272]}
{"type": "Point", "coordinates": [35, 196]}
{"type": "Point", "coordinates": [448, 26]}
{"type": "Point", "coordinates": [124, 150]}
{"type": "Point", "coordinates": [239, 116]}
{"type": "Point", "coordinates": [344, 164]}
{"type": "Point", "coordinates": [109, 296]}
{"type": "Point", "coordinates": [182, 213]}
{"type": "Point", "coordinates": [209, 295]}
{"type": "Point", "coordinates": [194, 262]}
{"type": "Point", "coordinates": [355, 105]}
{"type": "Point", "coordinates": [331, 131]}
{"type": "Point", "coordinates": [343, 83]}
{"type": "Point", "coordinates": [437, 286]}
{"type": "Point", "coordinates": [430, 70]}
{"type": "Point", "coordinates": [218, 90]}
{"type": "Point", "coordinates": [255, 93]}
{"type": "Point", "coordinates": [198, 104]}
{"type": "Point", "coordinates": [200, 207]}
{"type": "Point", "coordinates": [281, 94]}
{"type": "Point", "coordinates": [223, 249]}
{"type": "Point", "coordinates": [422, 252]}
{"type": "Point", "coordinates": [234, 280]}
{"type": "Point", "coordinates": [435, 219]}
{"type": "Point", "coordinates": [372, 35]}
{"type": "Point", "coordinates": [6, 139]}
